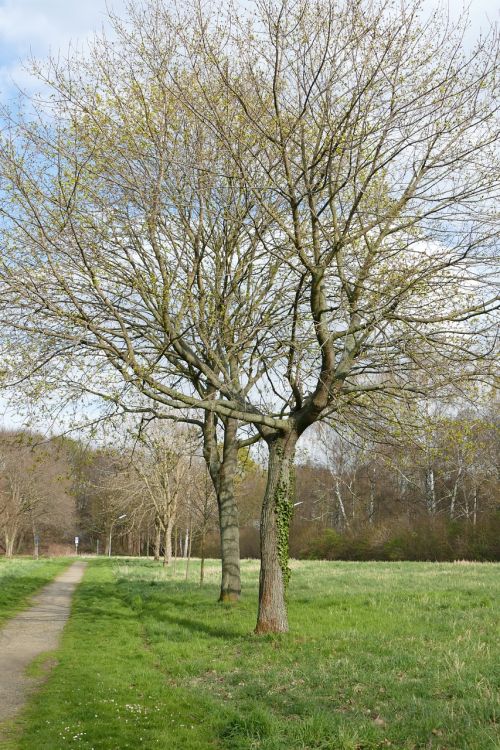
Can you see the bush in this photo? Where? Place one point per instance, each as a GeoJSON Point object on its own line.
{"type": "Point", "coordinates": [426, 540]}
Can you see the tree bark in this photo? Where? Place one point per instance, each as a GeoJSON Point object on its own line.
{"type": "Point", "coordinates": [167, 549]}
{"type": "Point", "coordinates": [202, 561]}
{"type": "Point", "coordinates": [454, 494]}
{"type": "Point", "coordinates": [175, 550]}
{"type": "Point", "coordinates": [157, 541]}
{"type": "Point", "coordinates": [276, 514]}
{"type": "Point", "coordinates": [10, 541]}
{"type": "Point", "coordinates": [371, 509]}
{"type": "Point", "coordinates": [430, 491]}
{"type": "Point", "coordinates": [223, 473]}
{"type": "Point", "coordinates": [338, 493]}
{"type": "Point", "coordinates": [189, 545]}
{"type": "Point", "coordinates": [230, 589]}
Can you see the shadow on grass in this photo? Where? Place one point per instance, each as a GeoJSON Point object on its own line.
{"type": "Point", "coordinates": [140, 601]}
{"type": "Point", "coordinates": [199, 627]}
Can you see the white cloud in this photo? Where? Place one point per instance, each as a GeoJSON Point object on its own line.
{"type": "Point", "coordinates": [41, 27]}
{"type": "Point", "coordinates": [46, 23]}
{"type": "Point", "coordinates": [481, 14]}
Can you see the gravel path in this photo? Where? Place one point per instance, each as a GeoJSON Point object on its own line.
{"type": "Point", "coordinates": [29, 634]}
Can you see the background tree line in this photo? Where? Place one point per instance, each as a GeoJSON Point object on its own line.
{"type": "Point", "coordinates": [431, 495]}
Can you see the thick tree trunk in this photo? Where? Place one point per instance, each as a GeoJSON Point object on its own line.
{"type": "Point", "coordinates": [276, 514]}
{"type": "Point", "coordinates": [223, 473]}
{"type": "Point", "coordinates": [230, 588]}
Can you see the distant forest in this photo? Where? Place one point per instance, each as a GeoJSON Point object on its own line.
{"type": "Point", "coordinates": [431, 497]}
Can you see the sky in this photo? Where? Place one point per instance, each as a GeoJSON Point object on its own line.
{"type": "Point", "coordinates": [40, 27]}
{"type": "Point", "coordinates": [43, 27]}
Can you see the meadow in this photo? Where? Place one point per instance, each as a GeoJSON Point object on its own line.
{"type": "Point", "coordinates": [20, 578]}
{"type": "Point", "coordinates": [379, 655]}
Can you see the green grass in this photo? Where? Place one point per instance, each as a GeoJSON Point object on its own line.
{"type": "Point", "coordinates": [398, 655]}
{"type": "Point", "coordinates": [20, 578]}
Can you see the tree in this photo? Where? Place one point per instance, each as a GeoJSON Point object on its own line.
{"type": "Point", "coordinates": [163, 463]}
{"type": "Point", "coordinates": [112, 496]}
{"type": "Point", "coordinates": [34, 490]}
{"type": "Point", "coordinates": [273, 217]}
{"type": "Point", "coordinates": [203, 512]}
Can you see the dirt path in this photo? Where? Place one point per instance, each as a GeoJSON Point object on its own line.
{"type": "Point", "coordinates": [29, 634]}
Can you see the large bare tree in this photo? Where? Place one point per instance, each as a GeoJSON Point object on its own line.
{"type": "Point", "coordinates": [274, 216]}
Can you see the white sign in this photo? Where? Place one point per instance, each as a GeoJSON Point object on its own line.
{"type": "Point", "coordinates": [77, 540]}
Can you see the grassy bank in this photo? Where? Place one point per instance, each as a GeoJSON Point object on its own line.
{"type": "Point", "coordinates": [399, 655]}
{"type": "Point", "coordinates": [20, 578]}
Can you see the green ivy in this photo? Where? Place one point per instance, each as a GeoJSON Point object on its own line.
{"type": "Point", "coordinates": [283, 508]}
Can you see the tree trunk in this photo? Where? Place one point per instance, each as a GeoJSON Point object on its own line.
{"type": "Point", "coordinates": [167, 547]}
{"type": "Point", "coordinates": [276, 515]}
{"type": "Point", "coordinates": [223, 475]}
{"type": "Point", "coordinates": [230, 589]}
{"type": "Point", "coordinates": [371, 509]}
{"type": "Point", "coordinates": [175, 549]}
{"type": "Point", "coordinates": [430, 491]}
{"type": "Point", "coordinates": [157, 541]}
{"type": "Point", "coordinates": [189, 545]}
{"type": "Point", "coordinates": [202, 561]}
{"type": "Point", "coordinates": [10, 541]}
{"type": "Point", "coordinates": [338, 492]}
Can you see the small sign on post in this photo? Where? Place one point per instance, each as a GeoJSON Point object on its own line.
{"type": "Point", "coordinates": [77, 542]}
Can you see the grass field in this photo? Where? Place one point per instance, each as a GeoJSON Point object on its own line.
{"type": "Point", "coordinates": [380, 655]}
{"type": "Point", "coordinates": [20, 578]}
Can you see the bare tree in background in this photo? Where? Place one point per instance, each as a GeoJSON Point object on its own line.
{"type": "Point", "coordinates": [113, 503]}
{"type": "Point", "coordinates": [163, 463]}
{"type": "Point", "coordinates": [204, 510]}
{"type": "Point", "coordinates": [34, 490]}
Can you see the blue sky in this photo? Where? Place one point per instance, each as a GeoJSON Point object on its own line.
{"type": "Point", "coordinates": [40, 27]}
{"type": "Point", "coordinates": [43, 26]}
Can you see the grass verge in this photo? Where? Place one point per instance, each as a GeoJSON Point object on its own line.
{"type": "Point", "coordinates": [399, 655]}
{"type": "Point", "coordinates": [20, 578]}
